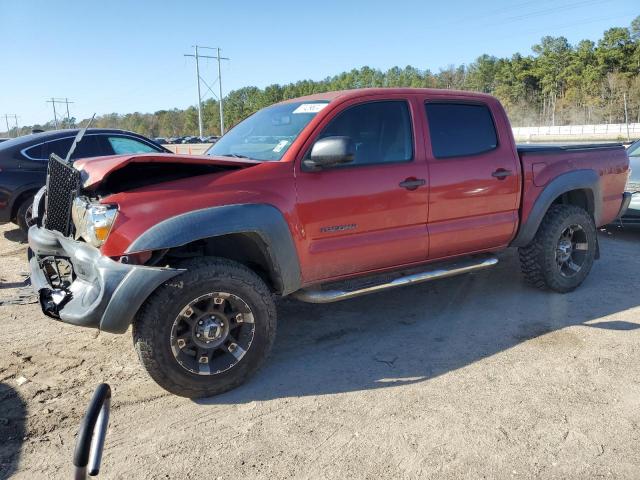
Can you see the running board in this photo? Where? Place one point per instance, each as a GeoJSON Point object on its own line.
{"type": "Point", "coordinates": [335, 295]}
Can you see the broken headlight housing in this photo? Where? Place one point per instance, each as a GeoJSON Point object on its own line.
{"type": "Point", "coordinates": [93, 221]}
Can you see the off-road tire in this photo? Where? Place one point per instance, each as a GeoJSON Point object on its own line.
{"type": "Point", "coordinates": [153, 323]}
{"type": "Point", "coordinates": [23, 215]}
{"type": "Point", "coordinates": [538, 259]}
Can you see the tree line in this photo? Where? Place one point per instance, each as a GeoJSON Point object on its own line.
{"type": "Point", "coordinates": [559, 84]}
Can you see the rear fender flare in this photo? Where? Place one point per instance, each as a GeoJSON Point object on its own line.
{"type": "Point", "coordinates": [577, 180]}
{"type": "Point", "coordinates": [264, 220]}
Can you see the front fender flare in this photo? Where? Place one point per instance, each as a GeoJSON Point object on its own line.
{"type": "Point", "coordinates": [262, 219]}
{"type": "Point", "coordinates": [576, 180]}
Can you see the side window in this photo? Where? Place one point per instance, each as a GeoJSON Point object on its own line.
{"type": "Point", "coordinates": [37, 152]}
{"type": "Point", "coordinates": [87, 148]}
{"type": "Point", "coordinates": [381, 131]}
{"type": "Point", "coordinates": [459, 129]}
{"type": "Point", "coordinates": [124, 145]}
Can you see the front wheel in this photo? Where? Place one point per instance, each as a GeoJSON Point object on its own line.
{"type": "Point", "coordinates": [207, 330]}
{"type": "Point", "coordinates": [562, 253]}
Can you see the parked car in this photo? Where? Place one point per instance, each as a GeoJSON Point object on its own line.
{"type": "Point", "coordinates": [23, 163]}
{"type": "Point", "coordinates": [632, 217]}
{"type": "Point", "coordinates": [323, 198]}
{"type": "Point", "coordinates": [160, 140]}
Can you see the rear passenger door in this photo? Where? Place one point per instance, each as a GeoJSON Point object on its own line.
{"type": "Point", "coordinates": [474, 176]}
{"type": "Point", "coordinates": [359, 217]}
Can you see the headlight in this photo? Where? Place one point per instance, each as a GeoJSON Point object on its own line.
{"type": "Point", "coordinates": [93, 221]}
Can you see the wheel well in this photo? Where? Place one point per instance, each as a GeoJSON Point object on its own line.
{"type": "Point", "coordinates": [246, 248]}
{"type": "Point", "coordinates": [18, 201]}
{"type": "Point", "coordinates": [582, 198]}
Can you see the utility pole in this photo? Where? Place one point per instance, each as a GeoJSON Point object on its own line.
{"type": "Point", "coordinates": [199, 79]}
{"type": "Point", "coordinates": [66, 101]}
{"type": "Point", "coordinates": [53, 102]}
{"type": "Point", "coordinates": [220, 91]}
{"type": "Point", "coordinates": [197, 57]}
{"type": "Point", "coordinates": [15, 119]}
{"type": "Point", "coordinates": [55, 116]}
{"type": "Point", "coordinates": [626, 115]}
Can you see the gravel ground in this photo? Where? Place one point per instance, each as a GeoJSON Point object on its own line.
{"type": "Point", "coordinates": [471, 377]}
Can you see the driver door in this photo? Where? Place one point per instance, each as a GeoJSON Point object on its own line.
{"type": "Point", "coordinates": [368, 214]}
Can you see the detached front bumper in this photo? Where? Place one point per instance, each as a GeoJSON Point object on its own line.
{"type": "Point", "coordinates": [102, 293]}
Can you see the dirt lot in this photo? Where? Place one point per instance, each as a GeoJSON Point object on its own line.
{"type": "Point", "coordinates": [470, 377]}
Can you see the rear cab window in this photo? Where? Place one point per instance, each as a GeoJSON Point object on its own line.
{"type": "Point", "coordinates": [460, 129]}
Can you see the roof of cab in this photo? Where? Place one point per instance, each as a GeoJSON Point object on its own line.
{"type": "Point", "coordinates": [359, 92]}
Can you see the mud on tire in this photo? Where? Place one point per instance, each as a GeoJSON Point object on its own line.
{"type": "Point", "coordinates": [164, 330]}
{"type": "Point", "coordinates": [561, 254]}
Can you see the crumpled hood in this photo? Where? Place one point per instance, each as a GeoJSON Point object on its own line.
{"type": "Point", "coordinates": [96, 170]}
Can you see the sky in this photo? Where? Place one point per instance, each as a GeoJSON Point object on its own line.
{"type": "Point", "coordinates": [125, 56]}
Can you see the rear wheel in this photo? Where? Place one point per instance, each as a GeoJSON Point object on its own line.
{"type": "Point", "coordinates": [24, 218]}
{"type": "Point", "coordinates": [207, 330]}
{"type": "Point", "coordinates": [562, 253]}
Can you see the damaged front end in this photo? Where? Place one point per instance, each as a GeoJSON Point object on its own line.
{"type": "Point", "coordinates": [59, 273]}
{"type": "Point", "coordinates": [75, 282]}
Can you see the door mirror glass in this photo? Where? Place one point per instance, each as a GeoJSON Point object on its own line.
{"type": "Point", "coordinates": [329, 152]}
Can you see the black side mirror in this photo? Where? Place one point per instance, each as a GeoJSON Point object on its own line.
{"type": "Point", "coordinates": [92, 433]}
{"type": "Point", "coordinates": [329, 152]}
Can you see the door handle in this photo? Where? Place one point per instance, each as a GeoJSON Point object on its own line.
{"type": "Point", "coordinates": [412, 183]}
{"type": "Point", "coordinates": [501, 173]}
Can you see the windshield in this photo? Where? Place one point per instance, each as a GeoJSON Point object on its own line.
{"type": "Point", "coordinates": [267, 134]}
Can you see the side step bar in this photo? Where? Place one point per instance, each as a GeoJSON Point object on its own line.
{"type": "Point", "coordinates": [328, 296]}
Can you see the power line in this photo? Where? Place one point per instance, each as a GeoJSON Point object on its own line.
{"type": "Point", "coordinates": [197, 56]}
{"type": "Point", "coordinates": [53, 102]}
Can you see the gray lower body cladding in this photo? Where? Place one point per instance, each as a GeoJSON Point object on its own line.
{"type": "Point", "coordinates": [103, 293]}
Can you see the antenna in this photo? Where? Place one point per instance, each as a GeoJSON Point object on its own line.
{"type": "Point", "coordinates": [78, 138]}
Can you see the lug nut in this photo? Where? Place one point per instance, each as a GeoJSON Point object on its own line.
{"type": "Point", "coordinates": [181, 343]}
{"type": "Point", "coordinates": [188, 312]}
{"type": "Point", "coordinates": [218, 300]}
{"type": "Point", "coordinates": [239, 318]}
{"type": "Point", "coordinates": [204, 359]}
{"type": "Point", "coordinates": [198, 335]}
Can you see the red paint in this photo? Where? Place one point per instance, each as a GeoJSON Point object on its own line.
{"type": "Point", "coordinates": [460, 210]}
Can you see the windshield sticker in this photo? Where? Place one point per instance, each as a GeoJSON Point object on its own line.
{"type": "Point", "coordinates": [310, 107]}
{"type": "Point", "coordinates": [281, 144]}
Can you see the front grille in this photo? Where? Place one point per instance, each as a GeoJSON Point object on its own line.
{"type": "Point", "coordinates": [63, 184]}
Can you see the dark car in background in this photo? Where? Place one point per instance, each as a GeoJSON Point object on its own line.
{"type": "Point", "coordinates": [632, 216]}
{"type": "Point", "coordinates": [23, 162]}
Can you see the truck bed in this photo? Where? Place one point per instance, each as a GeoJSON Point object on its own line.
{"type": "Point", "coordinates": [557, 148]}
{"type": "Point", "coordinates": [542, 164]}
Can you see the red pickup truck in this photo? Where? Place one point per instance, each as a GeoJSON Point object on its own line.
{"type": "Point", "coordinates": [323, 198]}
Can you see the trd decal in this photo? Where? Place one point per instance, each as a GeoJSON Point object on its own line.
{"type": "Point", "coordinates": [338, 228]}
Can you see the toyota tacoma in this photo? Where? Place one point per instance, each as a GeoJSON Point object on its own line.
{"type": "Point", "coordinates": [321, 198]}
